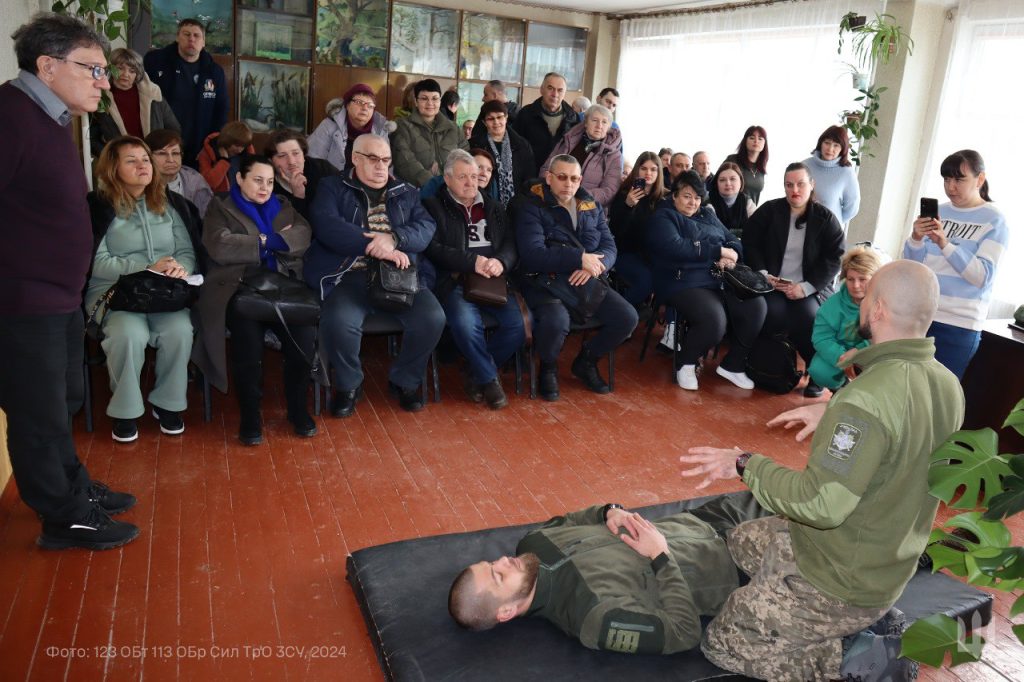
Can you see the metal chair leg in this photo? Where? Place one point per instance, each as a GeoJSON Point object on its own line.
{"type": "Point", "coordinates": [87, 394]}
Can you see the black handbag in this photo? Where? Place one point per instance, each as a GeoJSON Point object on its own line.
{"type": "Point", "coordinates": [150, 292]}
{"type": "Point", "coordinates": [744, 281]}
{"type": "Point", "coordinates": [492, 291]}
{"type": "Point", "coordinates": [581, 301]}
{"type": "Point", "coordinates": [771, 365]}
{"type": "Point", "coordinates": [269, 296]}
{"type": "Point", "coordinates": [389, 287]}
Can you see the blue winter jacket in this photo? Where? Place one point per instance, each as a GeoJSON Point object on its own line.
{"type": "Point", "coordinates": [543, 231]}
{"type": "Point", "coordinates": [682, 250]}
{"type": "Point", "coordinates": [338, 218]}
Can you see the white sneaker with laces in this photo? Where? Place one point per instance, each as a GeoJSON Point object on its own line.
{"type": "Point", "coordinates": [686, 377]}
{"type": "Point", "coordinates": [738, 378]}
{"type": "Point", "coordinates": [669, 335]}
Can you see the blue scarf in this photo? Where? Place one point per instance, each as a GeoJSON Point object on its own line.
{"type": "Point", "coordinates": [263, 215]}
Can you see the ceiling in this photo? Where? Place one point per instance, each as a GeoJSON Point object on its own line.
{"type": "Point", "coordinates": [624, 6]}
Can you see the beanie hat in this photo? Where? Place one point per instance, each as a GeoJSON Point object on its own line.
{"type": "Point", "coordinates": [359, 89]}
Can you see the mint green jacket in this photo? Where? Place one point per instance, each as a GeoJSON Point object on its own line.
{"type": "Point", "coordinates": [860, 513]}
{"type": "Point", "coordinates": [835, 332]}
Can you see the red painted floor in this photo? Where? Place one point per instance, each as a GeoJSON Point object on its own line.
{"type": "Point", "coordinates": [240, 570]}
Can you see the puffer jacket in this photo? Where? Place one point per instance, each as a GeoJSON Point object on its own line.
{"type": "Point", "coordinates": [329, 139]}
{"type": "Point", "coordinates": [602, 169]}
{"type": "Point", "coordinates": [417, 146]}
{"type": "Point", "coordinates": [682, 249]}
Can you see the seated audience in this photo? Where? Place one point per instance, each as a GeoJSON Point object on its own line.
{"type": "Point", "coordinates": [581, 104]}
{"type": "Point", "coordinates": [726, 196]}
{"type": "Point", "coordinates": [545, 121]}
{"type": "Point", "coordinates": [246, 231]}
{"type": "Point", "coordinates": [595, 145]}
{"type": "Point", "coordinates": [485, 170]}
{"type": "Point", "coordinates": [423, 139]}
{"type": "Point", "coordinates": [296, 175]}
{"type": "Point", "coordinates": [136, 230]}
{"type": "Point", "coordinates": [836, 335]}
{"type": "Point", "coordinates": [136, 105]}
{"type": "Point", "coordinates": [369, 214]}
{"type": "Point", "coordinates": [680, 163]}
{"type": "Point", "coordinates": [513, 157]}
{"type": "Point", "coordinates": [353, 114]}
{"type": "Point", "coordinates": [473, 236]}
{"type": "Point", "coordinates": [835, 180]}
{"type": "Point", "coordinates": [963, 247]}
{"type": "Point", "coordinates": [450, 104]}
{"type": "Point", "coordinates": [686, 242]}
{"type": "Point", "coordinates": [221, 153]}
{"type": "Point", "coordinates": [166, 146]}
{"type": "Point", "coordinates": [640, 194]}
{"type": "Point", "coordinates": [467, 127]}
{"type": "Point", "coordinates": [495, 90]}
{"type": "Point", "coordinates": [702, 164]}
{"type": "Point", "coordinates": [643, 595]}
{"type": "Point", "coordinates": [799, 244]}
{"type": "Point", "coordinates": [551, 218]}
{"type": "Point", "coordinates": [752, 157]}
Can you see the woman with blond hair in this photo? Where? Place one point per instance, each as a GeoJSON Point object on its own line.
{"type": "Point", "coordinates": [836, 335]}
{"type": "Point", "coordinates": [137, 230]}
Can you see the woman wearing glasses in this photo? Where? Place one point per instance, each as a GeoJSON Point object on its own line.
{"type": "Point", "coordinates": [136, 104]}
{"type": "Point", "coordinates": [423, 139]}
{"type": "Point", "coordinates": [595, 144]}
{"type": "Point", "coordinates": [348, 117]}
{"type": "Point", "coordinates": [513, 156]}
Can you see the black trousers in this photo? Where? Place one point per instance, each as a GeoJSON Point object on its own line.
{"type": "Point", "coordinates": [707, 313]}
{"type": "Point", "coordinates": [551, 323]}
{"type": "Point", "coordinates": [794, 318]}
{"type": "Point", "coordinates": [40, 388]}
{"type": "Point", "coordinates": [247, 359]}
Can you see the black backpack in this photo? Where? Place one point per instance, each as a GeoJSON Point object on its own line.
{"type": "Point", "coordinates": [771, 365]}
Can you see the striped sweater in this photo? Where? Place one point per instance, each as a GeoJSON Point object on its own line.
{"type": "Point", "coordinates": [978, 237]}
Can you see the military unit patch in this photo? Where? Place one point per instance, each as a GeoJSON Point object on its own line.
{"type": "Point", "coordinates": [844, 441]}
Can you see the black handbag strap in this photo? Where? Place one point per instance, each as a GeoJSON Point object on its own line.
{"type": "Point", "coordinates": [314, 363]}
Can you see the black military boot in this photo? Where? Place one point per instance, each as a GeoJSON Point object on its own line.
{"type": "Point", "coordinates": [585, 367]}
{"type": "Point", "coordinates": [548, 381]}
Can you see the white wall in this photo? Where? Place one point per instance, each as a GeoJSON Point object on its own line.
{"type": "Point", "coordinates": [14, 14]}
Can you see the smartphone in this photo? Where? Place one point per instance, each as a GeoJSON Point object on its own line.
{"type": "Point", "coordinates": [639, 183]}
{"type": "Point", "coordinates": [783, 280]}
{"type": "Point", "coordinates": [929, 208]}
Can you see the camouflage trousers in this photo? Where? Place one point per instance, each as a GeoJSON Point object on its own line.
{"type": "Point", "coordinates": [779, 626]}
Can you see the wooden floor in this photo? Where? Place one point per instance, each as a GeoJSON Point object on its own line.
{"type": "Point", "coordinates": [240, 570]}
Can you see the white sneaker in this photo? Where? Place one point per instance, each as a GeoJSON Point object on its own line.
{"type": "Point", "coordinates": [738, 378]}
{"type": "Point", "coordinates": [686, 377]}
{"type": "Point", "coordinates": [668, 336]}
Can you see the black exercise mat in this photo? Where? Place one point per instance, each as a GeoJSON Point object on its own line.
{"type": "Point", "coordinates": [402, 589]}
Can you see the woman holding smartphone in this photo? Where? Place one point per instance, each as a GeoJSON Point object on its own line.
{"type": "Point", "coordinates": [634, 203]}
{"type": "Point", "coordinates": [798, 244]}
{"type": "Point", "coordinates": [962, 244]}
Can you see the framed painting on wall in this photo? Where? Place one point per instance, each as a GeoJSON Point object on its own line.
{"type": "Point", "coordinates": [272, 96]}
{"type": "Point", "coordinates": [214, 14]}
{"type": "Point", "coordinates": [424, 40]}
{"type": "Point", "coordinates": [562, 49]}
{"type": "Point", "coordinates": [273, 41]}
{"type": "Point", "coordinates": [352, 32]}
{"type": "Point", "coordinates": [492, 48]}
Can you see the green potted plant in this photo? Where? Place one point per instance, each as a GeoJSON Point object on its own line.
{"type": "Point", "coordinates": [967, 473]}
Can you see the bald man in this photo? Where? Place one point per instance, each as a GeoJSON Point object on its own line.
{"type": "Point", "coordinates": [852, 524]}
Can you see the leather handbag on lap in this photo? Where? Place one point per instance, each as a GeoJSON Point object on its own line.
{"type": "Point", "coordinates": [581, 301]}
{"type": "Point", "coordinates": [482, 290]}
{"type": "Point", "coordinates": [744, 281]}
{"type": "Point", "coordinates": [268, 296]}
{"type": "Point", "coordinates": [147, 291]}
{"type": "Point", "coordinates": [389, 287]}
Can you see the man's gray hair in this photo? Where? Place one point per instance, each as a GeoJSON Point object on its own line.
{"type": "Point", "coordinates": [581, 103]}
{"type": "Point", "coordinates": [497, 85]}
{"type": "Point", "coordinates": [594, 109]}
{"type": "Point", "coordinates": [456, 156]}
{"type": "Point", "coordinates": [563, 158]}
{"type": "Point", "coordinates": [363, 140]}
{"type": "Point", "coordinates": [52, 35]}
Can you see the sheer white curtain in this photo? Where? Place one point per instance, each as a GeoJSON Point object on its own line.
{"type": "Point", "coordinates": [696, 82]}
{"type": "Point", "coordinates": [981, 108]}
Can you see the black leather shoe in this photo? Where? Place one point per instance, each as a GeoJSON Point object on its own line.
{"type": "Point", "coordinates": [303, 425]}
{"type": "Point", "coordinates": [250, 428]}
{"type": "Point", "coordinates": [473, 390]}
{"type": "Point", "coordinates": [813, 390]}
{"type": "Point", "coordinates": [585, 368]}
{"type": "Point", "coordinates": [343, 403]}
{"type": "Point", "coordinates": [494, 394]}
{"type": "Point", "coordinates": [548, 383]}
{"type": "Point", "coordinates": [409, 399]}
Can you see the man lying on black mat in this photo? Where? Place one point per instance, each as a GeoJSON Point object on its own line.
{"type": "Point", "coordinates": [611, 578]}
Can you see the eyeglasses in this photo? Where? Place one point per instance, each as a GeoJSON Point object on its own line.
{"type": "Point", "coordinates": [376, 160]}
{"type": "Point", "coordinates": [429, 100]}
{"type": "Point", "coordinates": [363, 103]}
{"type": "Point", "coordinates": [98, 72]}
{"type": "Point", "coordinates": [562, 177]}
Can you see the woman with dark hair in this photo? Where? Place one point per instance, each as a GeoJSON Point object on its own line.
{"type": "Point", "coordinates": [963, 246]}
{"type": "Point", "coordinates": [686, 242]}
{"type": "Point", "coordinates": [422, 140]}
{"type": "Point", "coordinates": [139, 231]}
{"type": "Point", "coordinates": [641, 192]}
{"type": "Point", "coordinates": [450, 104]}
{"type": "Point", "coordinates": [835, 182]}
{"type": "Point", "coordinates": [727, 197]}
{"type": "Point", "coordinates": [798, 244]}
{"type": "Point", "coordinates": [752, 156]}
{"type": "Point", "coordinates": [485, 165]}
{"type": "Point", "coordinates": [248, 230]}
{"type": "Point", "coordinates": [186, 181]}
{"type": "Point", "coordinates": [595, 145]}
{"type": "Point", "coordinates": [513, 156]}
{"type": "Point", "coordinates": [136, 105]}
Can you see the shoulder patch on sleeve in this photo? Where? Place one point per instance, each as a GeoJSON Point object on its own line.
{"type": "Point", "coordinates": [845, 439]}
{"type": "Point", "coordinates": [629, 632]}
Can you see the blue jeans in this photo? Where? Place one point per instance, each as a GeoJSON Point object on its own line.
{"type": "Point", "coordinates": [483, 354]}
{"type": "Point", "coordinates": [954, 346]}
{"type": "Point", "coordinates": [341, 334]}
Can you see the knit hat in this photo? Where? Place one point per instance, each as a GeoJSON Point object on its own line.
{"type": "Point", "coordinates": [359, 89]}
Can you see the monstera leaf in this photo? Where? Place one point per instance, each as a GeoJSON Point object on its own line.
{"type": "Point", "coordinates": [1002, 569]}
{"type": "Point", "coordinates": [1016, 418]}
{"type": "Point", "coordinates": [971, 533]}
{"type": "Point", "coordinates": [967, 458]}
{"type": "Point", "coordinates": [1011, 500]}
{"type": "Point", "coordinates": [930, 639]}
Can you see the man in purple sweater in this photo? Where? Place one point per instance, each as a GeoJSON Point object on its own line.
{"type": "Point", "coordinates": [45, 225]}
